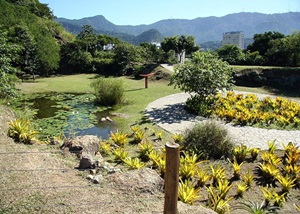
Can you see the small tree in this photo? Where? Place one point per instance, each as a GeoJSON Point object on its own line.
{"type": "Point", "coordinates": [202, 77]}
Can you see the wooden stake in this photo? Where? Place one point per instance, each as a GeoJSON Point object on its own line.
{"type": "Point", "coordinates": [171, 178]}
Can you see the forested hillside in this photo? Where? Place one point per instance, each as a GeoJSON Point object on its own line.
{"type": "Point", "coordinates": [29, 24]}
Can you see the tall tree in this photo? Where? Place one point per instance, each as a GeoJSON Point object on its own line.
{"type": "Point", "coordinates": [8, 77]}
{"type": "Point", "coordinates": [181, 45]}
{"type": "Point", "coordinates": [231, 54]}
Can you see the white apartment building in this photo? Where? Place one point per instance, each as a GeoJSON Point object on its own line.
{"type": "Point", "coordinates": [234, 38]}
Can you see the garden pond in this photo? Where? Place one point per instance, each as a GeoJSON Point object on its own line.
{"type": "Point", "coordinates": [67, 114]}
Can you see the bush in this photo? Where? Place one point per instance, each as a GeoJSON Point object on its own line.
{"type": "Point", "coordinates": [108, 91]}
{"type": "Point", "coordinates": [210, 140]}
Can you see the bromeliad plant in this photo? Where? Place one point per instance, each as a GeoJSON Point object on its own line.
{"type": "Point", "coordinates": [241, 188]}
{"type": "Point", "coordinates": [120, 154]}
{"type": "Point", "coordinates": [202, 176]}
{"type": "Point", "coordinates": [254, 153]}
{"type": "Point", "coordinates": [249, 110]}
{"type": "Point", "coordinates": [133, 163]}
{"type": "Point", "coordinates": [187, 193]}
{"type": "Point", "coordinates": [21, 131]}
{"type": "Point", "coordinates": [105, 147]}
{"type": "Point", "coordinates": [286, 182]}
{"type": "Point", "coordinates": [217, 173]}
{"type": "Point", "coordinates": [240, 153]}
{"type": "Point", "coordinates": [236, 168]}
{"type": "Point", "coordinates": [216, 203]}
{"type": "Point", "coordinates": [145, 148]}
{"type": "Point", "coordinates": [248, 178]}
{"type": "Point", "coordinates": [119, 138]}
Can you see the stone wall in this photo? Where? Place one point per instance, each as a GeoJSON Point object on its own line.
{"type": "Point", "coordinates": [288, 78]}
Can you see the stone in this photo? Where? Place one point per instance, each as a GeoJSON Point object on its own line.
{"type": "Point", "coordinates": [87, 162]}
{"type": "Point", "coordinates": [87, 144]}
{"type": "Point", "coordinates": [90, 177]}
{"type": "Point", "coordinates": [98, 179]}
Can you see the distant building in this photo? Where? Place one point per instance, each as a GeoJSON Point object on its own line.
{"type": "Point", "coordinates": [234, 38]}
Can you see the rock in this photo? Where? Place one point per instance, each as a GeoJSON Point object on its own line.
{"type": "Point", "coordinates": [90, 177]}
{"type": "Point", "coordinates": [98, 179]}
{"type": "Point", "coordinates": [103, 119]}
{"type": "Point", "coordinates": [87, 162]}
{"type": "Point", "coordinates": [93, 171]}
{"type": "Point", "coordinates": [144, 180]}
{"type": "Point", "coordinates": [84, 145]}
{"type": "Point", "coordinates": [109, 119]}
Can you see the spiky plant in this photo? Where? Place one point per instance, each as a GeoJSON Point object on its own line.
{"type": "Point", "coordinates": [145, 148]}
{"type": "Point", "coordinates": [21, 131]}
{"type": "Point", "coordinates": [119, 138]}
{"type": "Point", "coordinates": [268, 172]}
{"type": "Point", "coordinates": [286, 182]}
{"type": "Point", "coordinates": [135, 129]}
{"type": "Point", "coordinates": [236, 168]}
{"type": "Point", "coordinates": [138, 136]}
{"type": "Point", "coordinates": [254, 153]}
{"type": "Point", "coordinates": [202, 176]}
{"type": "Point", "coordinates": [271, 158]}
{"type": "Point", "coordinates": [223, 188]}
{"type": "Point", "coordinates": [217, 173]}
{"type": "Point", "coordinates": [297, 207]}
{"type": "Point", "coordinates": [105, 147]}
{"type": "Point", "coordinates": [241, 188]}
{"type": "Point", "coordinates": [158, 160]}
{"type": "Point", "coordinates": [253, 207]}
{"type": "Point", "coordinates": [272, 146]}
{"type": "Point", "coordinates": [240, 153]}
{"type": "Point", "coordinates": [248, 178]}
{"type": "Point", "coordinates": [120, 154]}
{"type": "Point", "coordinates": [216, 203]}
{"type": "Point", "coordinates": [134, 163]}
{"type": "Point", "coordinates": [178, 138]}
{"type": "Point", "coordinates": [187, 193]}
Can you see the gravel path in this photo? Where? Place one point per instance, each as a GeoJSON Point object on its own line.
{"type": "Point", "coordinates": [168, 113]}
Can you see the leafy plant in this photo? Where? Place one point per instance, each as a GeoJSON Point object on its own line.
{"type": "Point", "coordinates": [297, 207]}
{"type": "Point", "coordinates": [108, 91]}
{"type": "Point", "coordinates": [119, 138]}
{"type": "Point", "coordinates": [236, 168]}
{"type": "Point", "coordinates": [270, 158]}
{"type": "Point", "coordinates": [254, 153]}
{"type": "Point", "coordinates": [217, 173]}
{"type": "Point", "coordinates": [286, 182]}
{"type": "Point", "coordinates": [138, 136]}
{"type": "Point", "coordinates": [105, 147]}
{"type": "Point", "coordinates": [133, 163]}
{"type": "Point", "coordinates": [178, 138]}
{"type": "Point", "coordinates": [209, 139]}
{"type": "Point", "coordinates": [159, 161]}
{"type": "Point", "coordinates": [272, 146]}
{"type": "Point", "coordinates": [268, 171]}
{"type": "Point", "coordinates": [240, 152]}
{"type": "Point", "coordinates": [241, 188]}
{"type": "Point", "coordinates": [120, 154]}
{"type": "Point", "coordinates": [248, 178]}
{"type": "Point", "coordinates": [252, 207]}
{"type": "Point", "coordinates": [202, 177]}
{"type": "Point", "coordinates": [145, 148]}
{"type": "Point", "coordinates": [187, 193]}
{"type": "Point", "coordinates": [20, 130]}
{"type": "Point", "coordinates": [223, 188]}
{"type": "Point", "coordinates": [216, 203]}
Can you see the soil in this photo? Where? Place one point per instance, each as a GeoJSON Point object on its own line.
{"type": "Point", "coordinates": [44, 179]}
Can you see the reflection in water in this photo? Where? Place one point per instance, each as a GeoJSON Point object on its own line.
{"type": "Point", "coordinates": [70, 114]}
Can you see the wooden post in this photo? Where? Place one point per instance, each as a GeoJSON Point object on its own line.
{"type": "Point", "coordinates": [146, 82]}
{"type": "Point", "coordinates": [171, 178]}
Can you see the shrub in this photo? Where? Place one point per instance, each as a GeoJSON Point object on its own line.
{"type": "Point", "coordinates": [209, 139]}
{"type": "Point", "coordinates": [108, 91]}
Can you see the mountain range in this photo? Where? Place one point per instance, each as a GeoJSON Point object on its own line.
{"type": "Point", "coordinates": [203, 29]}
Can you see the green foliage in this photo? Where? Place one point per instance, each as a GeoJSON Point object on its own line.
{"type": "Point", "coordinates": [8, 77]}
{"type": "Point", "coordinates": [240, 153]}
{"type": "Point", "coordinates": [231, 54]}
{"type": "Point", "coordinates": [187, 193]}
{"type": "Point", "coordinates": [252, 207]}
{"type": "Point", "coordinates": [108, 91]}
{"type": "Point", "coordinates": [21, 131]}
{"type": "Point", "coordinates": [119, 138]}
{"type": "Point", "coordinates": [133, 163]}
{"type": "Point", "coordinates": [202, 77]}
{"type": "Point", "coordinates": [179, 45]}
{"type": "Point", "coordinates": [208, 139]}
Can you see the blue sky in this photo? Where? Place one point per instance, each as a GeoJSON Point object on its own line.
{"type": "Point", "coordinates": [135, 12]}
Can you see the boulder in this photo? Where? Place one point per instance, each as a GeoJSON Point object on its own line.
{"type": "Point", "coordinates": [83, 145]}
{"type": "Point", "coordinates": [88, 162]}
{"type": "Point", "coordinates": [144, 180]}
